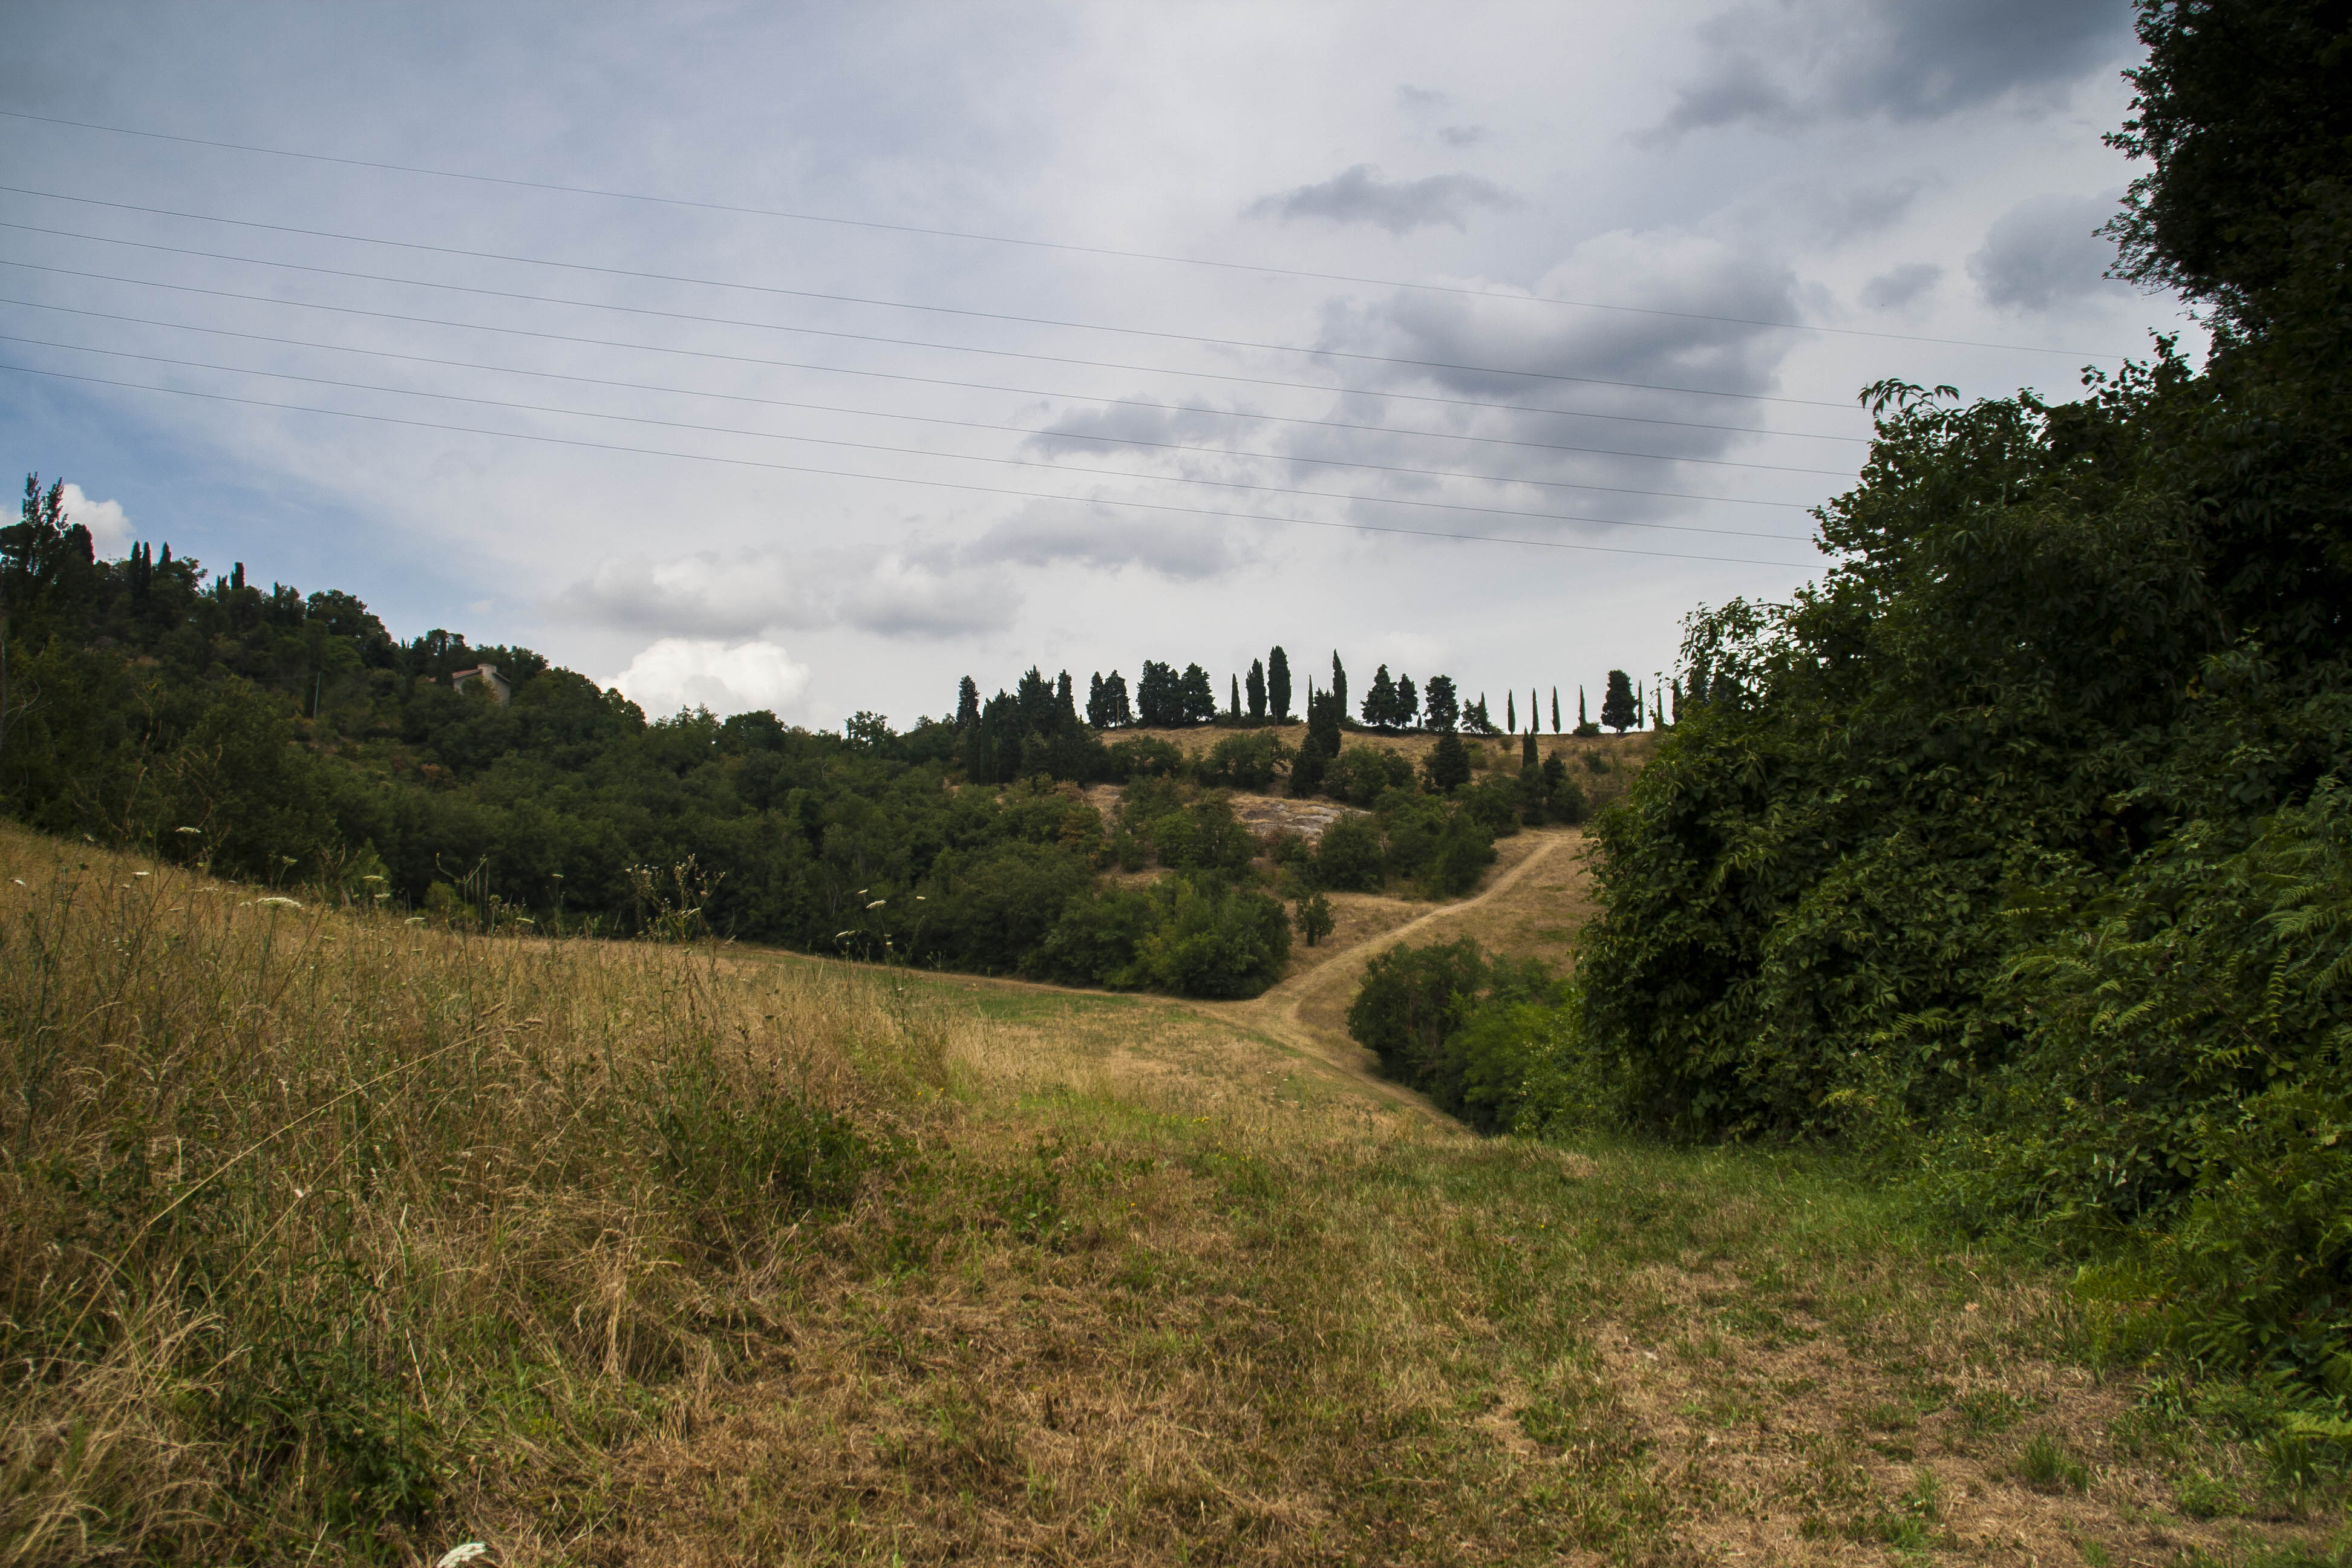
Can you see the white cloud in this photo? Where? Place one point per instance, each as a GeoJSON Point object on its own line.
{"type": "Point", "coordinates": [703, 672]}
{"type": "Point", "coordinates": [731, 595]}
{"type": "Point", "coordinates": [929, 596]}
{"type": "Point", "coordinates": [109, 530]}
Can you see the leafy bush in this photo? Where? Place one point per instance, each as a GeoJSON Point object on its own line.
{"type": "Point", "coordinates": [1462, 851]}
{"type": "Point", "coordinates": [1249, 761]}
{"type": "Point", "coordinates": [1464, 1028]}
{"type": "Point", "coordinates": [1097, 940]}
{"type": "Point", "coordinates": [1216, 941]}
{"type": "Point", "coordinates": [1494, 803]}
{"type": "Point", "coordinates": [1361, 773]}
{"type": "Point", "coordinates": [1347, 856]}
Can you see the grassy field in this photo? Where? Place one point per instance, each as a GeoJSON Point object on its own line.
{"type": "Point", "coordinates": [330, 1238]}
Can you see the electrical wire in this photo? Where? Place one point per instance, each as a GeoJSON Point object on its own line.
{"type": "Point", "coordinates": [917, 418]}
{"type": "Point", "coordinates": [972, 386]}
{"type": "Point", "coordinates": [577, 443]}
{"type": "Point", "coordinates": [833, 299]}
{"type": "Point", "coordinates": [899, 451]}
{"type": "Point", "coordinates": [1046, 244]}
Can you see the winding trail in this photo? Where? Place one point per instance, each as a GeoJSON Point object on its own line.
{"type": "Point", "coordinates": [1277, 1012]}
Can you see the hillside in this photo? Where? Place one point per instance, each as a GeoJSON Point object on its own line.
{"type": "Point", "coordinates": [334, 1234]}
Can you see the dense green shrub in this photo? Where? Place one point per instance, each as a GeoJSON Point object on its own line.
{"type": "Point", "coordinates": [1250, 761]}
{"type": "Point", "coordinates": [1214, 940]}
{"type": "Point", "coordinates": [1361, 773]}
{"type": "Point", "coordinates": [1456, 1025]}
{"type": "Point", "coordinates": [2018, 845]}
{"type": "Point", "coordinates": [1347, 856]}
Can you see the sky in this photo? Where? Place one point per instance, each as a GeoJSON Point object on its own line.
{"type": "Point", "coordinates": [812, 357]}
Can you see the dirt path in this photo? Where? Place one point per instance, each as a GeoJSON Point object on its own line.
{"type": "Point", "coordinates": [1285, 1012]}
{"type": "Point", "coordinates": [1279, 1012]}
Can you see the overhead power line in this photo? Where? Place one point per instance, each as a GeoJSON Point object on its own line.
{"type": "Point", "coordinates": [1252, 487]}
{"type": "Point", "coordinates": [1166, 507]}
{"type": "Point", "coordinates": [1043, 244]}
{"type": "Point", "coordinates": [843, 299]}
{"type": "Point", "coordinates": [972, 385]}
{"type": "Point", "coordinates": [1046, 431]}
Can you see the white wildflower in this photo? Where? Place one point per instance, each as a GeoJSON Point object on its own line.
{"type": "Point", "coordinates": [279, 901]}
{"type": "Point", "coordinates": [457, 1554]}
{"type": "Point", "coordinates": [877, 903]}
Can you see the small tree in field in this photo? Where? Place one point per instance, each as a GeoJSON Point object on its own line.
{"type": "Point", "coordinates": [1256, 687]}
{"type": "Point", "coordinates": [1617, 709]}
{"type": "Point", "coordinates": [1278, 684]}
{"type": "Point", "coordinates": [1313, 918]}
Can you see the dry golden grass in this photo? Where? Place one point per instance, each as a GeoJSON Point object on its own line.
{"type": "Point", "coordinates": [329, 1237]}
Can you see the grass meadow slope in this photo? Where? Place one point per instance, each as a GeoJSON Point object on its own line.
{"type": "Point", "coordinates": [329, 1236]}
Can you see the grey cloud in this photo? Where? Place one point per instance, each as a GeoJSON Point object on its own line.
{"type": "Point", "coordinates": [1462, 135]}
{"type": "Point", "coordinates": [1704, 280]}
{"type": "Point", "coordinates": [929, 595]}
{"type": "Point", "coordinates": [1107, 539]}
{"type": "Point", "coordinates": [1360, 195]}
{"type": "Point", "coordinates": [1866, 209]}
{"type": "Point", "coordinates": [1419, 99]}
{"type": "Point", "coordinates": [1782, 67]}
{"type": "Point", "coordinates": [1898, 286]}
{"type": "Point", "coordinates": [1110, 428]}
{"type": "Point", "coordinates": [2045, 251]}
{"type": "Point", "coordinates": [700, 595]}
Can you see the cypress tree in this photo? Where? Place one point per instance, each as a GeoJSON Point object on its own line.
{"type": "Point", "coordinates": [1449, 763]}
{"type": "Point", "coordinates": [1338, 682]}
{"type": "Point", "coordinates": [1098, 711]}
{"type": "Point", "coordinates": [1555, 709]}
{"type": "Point", "coordinates": [1580, 719]}
{"type": "Point", "coordinates": [1278, 684]}
{"type": "Point", "coordinates": [1323, 714]}
{"type": "Point", "coordinates": [967, 703]}
{"type": "Point", "coordinates": [1114, 700]}
{"type": "Point", "coordinates": [1527, 748]}
{"type": "Point", "coordinates": [1256, 687]}
{"type": "Point", "coordinates": [1236, 709]}
{"type": "Point", "coordinates": [1408, 702]}
{"type": "Point", "coordinates": [1510, 713]}
{"type": "Point", "coordinates": [1065, 710]}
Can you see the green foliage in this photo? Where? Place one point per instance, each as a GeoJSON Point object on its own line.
{"type": "Point", "coordinates": [2019, 846]}
{"type": "Point", "coordinates": [1456, 1025]}
{"type": "Point", "coordinates": [263, 734]}
{"type": "Point", "coordinates": [1361, 773]}
{"type": "Point", "coordinates": [1314, 917]}
{"type": "Point", "coordinates": [1494, 803]}
{"type": "Point", "coordinates": [1349, 856]}
{"type": "Point", "coordinates": [1618, 711]}
{"type": "Point", "coordinates": [1214, 940]}
{"type": "Point", "coordinates": [1448, 763]}
{"type": "Point", "coordinates": [1249, 761]}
